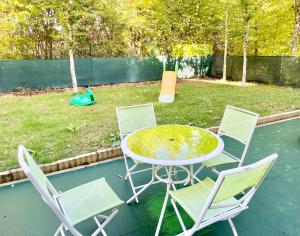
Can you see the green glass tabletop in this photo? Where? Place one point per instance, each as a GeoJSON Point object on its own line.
{"type": "Point", "coordinates": [172, 145]}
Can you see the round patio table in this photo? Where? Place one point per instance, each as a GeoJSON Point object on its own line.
{"type": "Point", "coordinates": [169, 147]}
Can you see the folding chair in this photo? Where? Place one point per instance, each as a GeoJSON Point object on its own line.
{"type": "Point", "coordinates": [239, 125]}
{"type": "Point", "coordinates": [208, 202]}
{"type": "Point", "coordinates": [76, 205]}
{"type": "Point", "coordinates": [130, 119]}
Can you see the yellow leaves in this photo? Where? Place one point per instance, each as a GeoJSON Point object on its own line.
{"type": "Point", "coordinates": [192, 50]}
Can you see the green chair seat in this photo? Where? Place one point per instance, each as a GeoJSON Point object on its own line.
{"type": "Point", "coordinates": [220, 159]}
{"type": "Point", "coordinates": [88, 200]}
{"type": "Point", "coordinates": [193, 198]}
{"type": "Point", "coordinates": [75, 205]}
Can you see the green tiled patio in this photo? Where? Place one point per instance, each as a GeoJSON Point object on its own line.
{"type": "Point", "coordinates": [275, 209]}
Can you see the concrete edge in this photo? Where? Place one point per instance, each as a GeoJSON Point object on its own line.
{"type": "Point", "coordinates": [109, 153]}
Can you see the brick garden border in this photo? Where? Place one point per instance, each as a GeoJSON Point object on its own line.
{"type": "Point", "coordinates": [109, 153]}
{"type": "Point", "coordinates": [64, 164]}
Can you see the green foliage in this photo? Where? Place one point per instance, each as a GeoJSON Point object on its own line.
{"type": "Point", "coordinates": [72, 128]}
{"type": "Point", "coordinates": [192, 50]}
{"type": "Point", "coordinates": [271, 27]}
{"type": "Point", "coordinates": [40, 29]}
{"type": "Point", "coordinates": [115, 139]}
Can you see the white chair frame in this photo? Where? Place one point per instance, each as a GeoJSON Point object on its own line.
{"type": "Point", "coordinates": [51, 198]}
{"type": "Point", "coordinates": [239, 206]}
{"type": "Point", "coordinates": [246, 144]}
{"type": "Point", "coordinates": [131, 170]}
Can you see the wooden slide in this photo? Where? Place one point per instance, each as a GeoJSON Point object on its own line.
{"type": "Point", "coordinates": [168, 86]}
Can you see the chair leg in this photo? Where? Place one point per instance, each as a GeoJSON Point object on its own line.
{"type": "Point", "coordinates": [101, 226]}
{"type": "Point", "coordinates": [141, 189]}
{"type": "Point", "coordinates": [130, 170]}
{"type": "Point", "coordinates": [178, 216]}
{"type": "Point", "coordinates": [60, 231]}
{"type": "Point", "coordinates": [232, 227]}
{"type": "Point", "coordinates": [130, 180]}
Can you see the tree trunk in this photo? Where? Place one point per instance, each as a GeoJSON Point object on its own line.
{"type": "Point", "coordinates": [72, 70]}
{"type": "Point", "coordinates": [255, 42]}
{"type": "Point", "coordinates": [225, 44]}
{"type": "Point", "coordinates": [245, 44]}
{"type": "Point", "coordinates": [51, 48]}
{"type": "Point", "coordinates": [71, 54]}
{"type": "Point", "coordinates": [296, 27]}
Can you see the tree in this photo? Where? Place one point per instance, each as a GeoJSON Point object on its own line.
{"type": "Point", "coordinates": [248, 8]}
{"type": "Point", "coordinates": [27, 29]}
{"type": "Point", "coordinates": [39, 29]}
{"type": "Point", "coordinates": [296, 26]}
{"type": "Point", "coordinates": [225, 41]}
{"type": "Point", "coordinates": [84, 25]}
{"type": "Point", "coordinates": [245, 44]}
{"type": "Point", "coordinates": [71, 47]}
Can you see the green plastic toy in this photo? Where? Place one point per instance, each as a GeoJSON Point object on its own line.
{"type": "Point", "coordinates": [83, 100]}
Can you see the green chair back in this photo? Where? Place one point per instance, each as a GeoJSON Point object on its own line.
{"type": "Point", "coordinates": [238, 124]}
{"type": "Point", "coordinates": [33, 168]}
{"type": "Point", "coordinates": [223, 203]}
{"type": "Point", "coordinates": [133, 118]}
{"type": "Point", "coordinates": [43, 186]}
{"type": "Point", "coordinates": [236, 181]}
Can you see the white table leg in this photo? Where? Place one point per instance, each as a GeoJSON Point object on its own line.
{"type": "Point", "coordinates": [192, 174]}
{"type": "Point", "coordinates": [165, 202]}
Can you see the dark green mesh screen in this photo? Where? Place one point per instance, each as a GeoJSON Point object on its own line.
{"type": "Point", "coordinates": [290, 71]}
{"type": "Point", "coordinates": [263, 69]}
{"type": "Point", "coordinates": [41, 74]}
{"type": "Point", "coordinates": [34, 74]}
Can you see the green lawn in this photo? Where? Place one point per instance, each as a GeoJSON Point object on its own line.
{"type": "Point", "coordinates": [54, 130]}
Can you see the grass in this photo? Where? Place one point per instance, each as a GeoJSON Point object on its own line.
{"type": "Point", "coordinates": [54, 130]}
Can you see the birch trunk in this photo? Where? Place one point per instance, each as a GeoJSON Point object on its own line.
{"type": "Point", "coordinates": [72, 70]}
{"type": "Point", "coordinates": [225, 45]}
{"type": "Point", "coordinates": [245, 44]}
{"type": "Point", "coordinates": [71, 54]}
{"type": "Point", "coordinates": [296, 27]}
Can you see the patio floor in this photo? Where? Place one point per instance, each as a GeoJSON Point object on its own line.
{"type": "Point", "coordinates": [274, 210]}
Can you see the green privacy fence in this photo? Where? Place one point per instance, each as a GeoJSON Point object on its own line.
{"type": "Point", "coordinates": [270, 70]}
{"type": "Point", "coordinates": [42, 74]}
